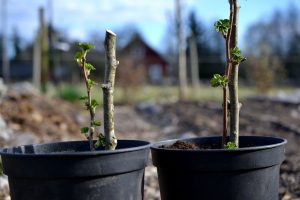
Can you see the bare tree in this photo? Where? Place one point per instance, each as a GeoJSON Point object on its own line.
{"type": "Point", "coordinates": [264, 68]}
{"type": "Point", "coordinates": [181, 53]}
{"type": "Point", "coordinates": [40, 55]}
{"type": "Point", "coordinates": [5, 59]}
{"type": "Point", "coordinates": [44, 50]}
{"type": "Point", "coordinates": [194, 61]}
{"type": "Point", "coordinates": [37, 62]}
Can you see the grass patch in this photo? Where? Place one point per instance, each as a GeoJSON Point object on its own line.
{"type": "Point", "coordinates": [71, 93]}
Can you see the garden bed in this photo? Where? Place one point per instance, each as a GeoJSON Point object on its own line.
{"type": "Point", "coordinates": [24, 114]}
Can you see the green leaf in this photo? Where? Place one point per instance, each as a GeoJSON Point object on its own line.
{"type": "Point", "coordinates": [85, 131]}
{"type": "Point", "coordinates": [78, 56]}
{"type": "Point", "coordinates": [89, 66]}
{"type": "Point", "coordinates": [85, 46]}
{"type": "Point", "coordinates": [100, 141]}
{"type": "Point", "coordinates": [91, 83]}
{"type": "Point", "coordinates": [94, 103]}
{"type": "Point", "coordinates": [96, 123]}
{"type": "Point", "coordinates": [222, 26]}
{"type": "Point", "coordinates": [230, 145]}
{"type": "Point", "coordinates": [83, 98]}
{"type": "Point", "coordinates": [219, 80]}
{"type": "Point", "coordinates": [236, 55]}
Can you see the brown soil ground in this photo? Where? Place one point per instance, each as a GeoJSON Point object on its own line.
{"type": "Point", "coordinates": [48, 119]}
{"type": "Point", "coordinates": [263, 117]}
{"type": "Point", "coordinates": [52, 120]}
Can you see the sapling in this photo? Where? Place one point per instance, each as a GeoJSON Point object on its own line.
{"type": "Point", "coordinates": [90, 103]}
{"type": "Point", "coordinates": [108, 140]}
{"type": "Point", "coordinates": [228, 28]}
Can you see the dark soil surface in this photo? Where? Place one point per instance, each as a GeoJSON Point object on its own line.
{"type": "Point", "coordinates": [190, 146]}
{"type": "Point", "coordinates": [181, 145]}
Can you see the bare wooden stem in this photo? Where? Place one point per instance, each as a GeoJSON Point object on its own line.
{"type": "Point", "coordinates": [227, 73]}
{"type": "Point", "coordinates": [233, 79]}
{"type": "Point", "coordinates": [225, 115]}
{"type": "Point", "coordinates": [108, 90]}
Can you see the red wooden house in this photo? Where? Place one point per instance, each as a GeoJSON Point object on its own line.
{"type": "Point", "coordinates": [144, 58]}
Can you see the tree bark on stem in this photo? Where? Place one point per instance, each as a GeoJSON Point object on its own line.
{"type": "Point", "coordinates": [225, 115]}
{"type": "Point", "coordinates": [225, 88]}
{"type": "Point", "coordinates": [233, 79]}
{"type": "Point", "coordinates": [108, 90]}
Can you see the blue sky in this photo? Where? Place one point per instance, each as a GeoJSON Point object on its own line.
{"type": "Point", "coordinates": [78, 18]}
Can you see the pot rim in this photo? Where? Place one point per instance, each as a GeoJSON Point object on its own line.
{"type": "Point", "coordinates": [9, 151]}
{"type": "Point", "coordinates": [281, 141]}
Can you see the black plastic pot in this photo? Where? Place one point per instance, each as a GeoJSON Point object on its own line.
{"type": "Point", "coordinates": [69, 171]}
{"type": "Point", "coordinates": [248, 173]}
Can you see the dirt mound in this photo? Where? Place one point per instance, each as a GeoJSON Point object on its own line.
{"type": "Point", "coordinates": [46, 118]}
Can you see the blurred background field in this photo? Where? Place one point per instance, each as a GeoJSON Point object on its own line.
{"type": "Point", "coordinates": [132, 96]}
{"type": "Point", "coordinates": [148, 42]}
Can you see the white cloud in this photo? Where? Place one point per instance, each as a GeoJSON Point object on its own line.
{"type": "Point", "coordinates": [114, 12]}
{"type": "Point", "coordinates": [77, 17]}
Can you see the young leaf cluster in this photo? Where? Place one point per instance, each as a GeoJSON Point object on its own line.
{"type": "Point", "coordinates": [90, 83]}
{"type": "Point", "coordinates": [100, 140]}
{"type": "Point", "coordinates": [91, 104]}
{"type": "Point", "coordinates": [222, 26]}
{"type": "Point", "coordinates": [85, 46]}
{"type": "Point", "coordinates": [230, 145]}
{"type": "Point", "coordinates": [85, 131]}
{"type": "Point", "coordinates": [219, 80]}
{"type": "Point", "coordinates": [236, 55]}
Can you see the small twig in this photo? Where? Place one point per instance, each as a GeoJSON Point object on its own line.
{"type": "Point", "coordinates": [89, 102]}
{"type": "Point", "coordinates": [227, 73]}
